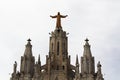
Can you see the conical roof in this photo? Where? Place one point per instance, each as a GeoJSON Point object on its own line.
{"type": "Point", "coordinates": [28, 49]}
{"type": "Point", "coordinates": [87, 51]}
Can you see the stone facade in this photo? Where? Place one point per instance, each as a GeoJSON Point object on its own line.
{"type": "Point", "coordinates": [58, 65]}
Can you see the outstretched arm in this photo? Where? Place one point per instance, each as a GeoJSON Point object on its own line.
{"type": "Point", "coordinates": [63, 16]}
{"type": "Point", "coordinates": [53, 16]}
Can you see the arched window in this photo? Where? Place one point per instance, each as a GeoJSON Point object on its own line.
{"type": "Point", "coordinates": [63, 67]}
{"type": "Point", "coordinates": [57, 48]}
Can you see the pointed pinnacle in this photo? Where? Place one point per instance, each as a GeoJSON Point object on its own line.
{"type": "Point", "coordinates": [39, 59]}
{"type": "Point", "coordinates": [77, 62]}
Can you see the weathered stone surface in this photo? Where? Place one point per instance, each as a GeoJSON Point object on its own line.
{"type": "Point", "coordinates": [58, 65]}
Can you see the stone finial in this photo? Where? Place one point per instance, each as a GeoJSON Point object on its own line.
{"type": "Point", "coordinates": [87, 51]}
{"type": "Point", "coordinates": [29, 40]}
{"type": "Point", "coordinates": [98, 65]}
{"type": "Point", "coordinates": [28, 50]}
{"type": "Point", "coordinates": [86, 40]}
{"type": "Point", "coordinates": [29, 44]}
{"type": "Point", "coordinates": [99, 68]}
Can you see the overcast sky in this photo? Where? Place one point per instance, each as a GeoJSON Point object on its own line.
{"type": "Point", "coordinates": [98, 20]}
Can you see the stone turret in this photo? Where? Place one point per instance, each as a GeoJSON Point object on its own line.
{"type": "Point", "coordinates": [27, 61]}
{"type": "Point", "coordinates": [99, 72]}
{"type": "Point", "coordinates": [87, 62]}
{"type": "Point", "coordinates": [58, 59]}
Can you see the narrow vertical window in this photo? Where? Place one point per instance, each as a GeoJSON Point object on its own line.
{"type": "Point", "coordinates": [52, 67]}
{"type": "Point", "coordinates": [63, 67]}
{"type": "Point", "coordinates": [57, 48]}
{"type": "Point", "coordinates": [52, 46]}
{"type": "Point", "coordinates": [63, 45]}
{"type": "Point", "coordinates": [57, 67]}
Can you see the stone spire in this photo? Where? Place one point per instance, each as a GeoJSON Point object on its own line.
{"type": "Point", "coordinates": [28, 50]}
{"type": "Point", "coordinates": [77, 62]}
{"type": "Point", "coordinates": [27, 61]}
{"type": "Point", "coordinates": [58, 22]}
{"type": "Point", "coordinates": [87, 51]}
{"type": "Point", "coordinates": [39, 62]}
{"type": "Point", "coordinates": [87, 61]}
{"type": "Point", "coordinates": [77, 74]}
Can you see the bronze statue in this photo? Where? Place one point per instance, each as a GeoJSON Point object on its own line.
{"type": "Point", "coordinates": [58, 16]}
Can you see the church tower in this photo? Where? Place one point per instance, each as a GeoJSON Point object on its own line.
{"type": "Point", "coordinates": [87, 63]}
{"type": "Point", "coordinates": [58, 65]}
{"type": "Point", "coordinates": [27, 61]}
{"type": "Point", "coordinates": [58, 61]}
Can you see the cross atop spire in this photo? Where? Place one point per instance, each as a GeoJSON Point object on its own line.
{"type": "Point", "coordinates": [29, 40]}
{"type": "Point", "coordinates": [29, 44]}
{"type": "Point", "coordinates": [28, 50]}
{"type": "Point", "coordinates": [87, 51]}
{"type": "Point", "coordinates": [58, 16]}
{"type": "Point", "coordinates": [86, 40]}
